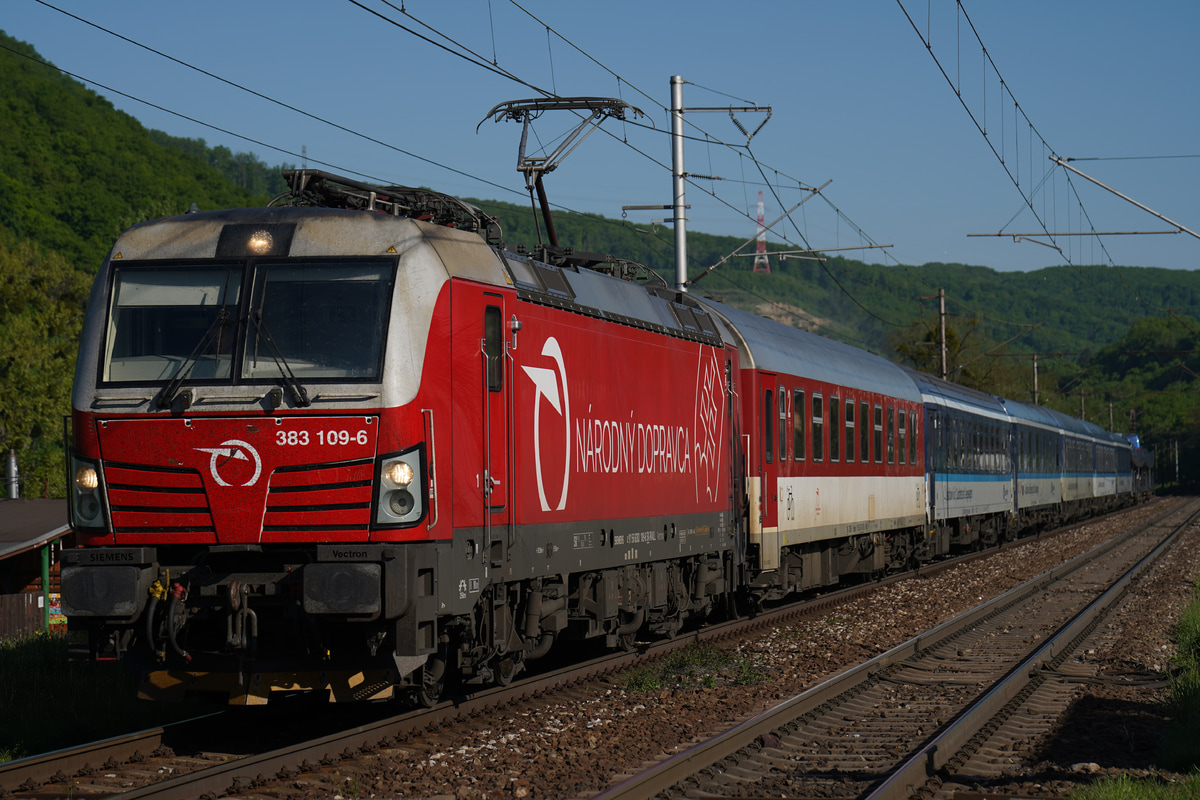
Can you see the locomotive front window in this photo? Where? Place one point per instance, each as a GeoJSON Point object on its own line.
{"type": "Point", "coordinates": [164, 320]}
{"type": "Point", "coordinates": [321, 320]}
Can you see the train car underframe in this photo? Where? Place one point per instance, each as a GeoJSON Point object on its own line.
{"type": "Point", "coordinates": [359, 621]}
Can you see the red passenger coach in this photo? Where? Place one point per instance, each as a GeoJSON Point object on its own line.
{"type": "Point", "coordinates": [835, 475]}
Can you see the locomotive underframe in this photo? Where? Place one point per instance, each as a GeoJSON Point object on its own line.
{"type": "Point", "coordinates": [362, 620]}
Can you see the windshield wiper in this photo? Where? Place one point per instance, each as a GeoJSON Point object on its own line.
{"type": "Point", "coordinates": [299, 394]}
{"type": "Point", "coordinates": [167, 396]}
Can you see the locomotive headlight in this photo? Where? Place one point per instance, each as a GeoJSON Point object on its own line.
{"type": "Point", "coordinates": [87, 479]}
{"type": "Point", "coordinates": [87, 501]}
{"type": "Point", "coordinates": [400, 488]}
{"type": "Point", "coordinates": [401, 502]}
{"type": "Point", "coordinates": [260, 242]}
{"type": "Point", "coordinates": [399, 472]}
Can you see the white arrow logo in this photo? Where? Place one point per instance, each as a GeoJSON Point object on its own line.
{"type": "Point", "coordinates": [545, 383]}
{"type": "Point", "coordinates": [235, 450]}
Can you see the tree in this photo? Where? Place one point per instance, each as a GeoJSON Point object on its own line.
{"type": "Point", "coordinates": [41, 311]}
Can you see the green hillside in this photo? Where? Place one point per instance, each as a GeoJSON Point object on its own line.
{"type": "Point", "coordinates": [74, 172]}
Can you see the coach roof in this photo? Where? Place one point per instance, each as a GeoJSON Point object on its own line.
{"type": "Point", "coordinates": [776, 347]}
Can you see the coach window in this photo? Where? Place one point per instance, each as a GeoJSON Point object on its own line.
{"type": "Point", "coordinates": [912, 437]}
{"type": "Point", "coordinates": [494, 348]}
{"type": "Point", "coordinates": [835, 432]}
{"type": "Point", "coordinates": [783, 418]}
{"type": "Point", "coordinates": [818, 427]}
{"type": "Point", "coordinates": [878, 434]}
{"type": "Point", "coordinates": [903, 437]}
{"type": "Point", "coordinates": [864, 431]}
{"type": "Point", "coordinates": [976, 446]}
{"type": "Point", "coordinates": [798, 425]}
{"type": "Point", "coordinates": [768, 427]}
{"type": "Point", "coordinates": [891, 435]}
{"type": "Point", "coordinates": [850, 431]}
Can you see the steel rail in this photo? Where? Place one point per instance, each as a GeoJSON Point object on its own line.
{"type": "Point", "coordinates": [71, 760]}
{"type": "Point", "coordinates": [49, 767]}
{"type": "Point", "coordinates": [665, 775]}
{"type": "Point", "coordinates": [925, 767]}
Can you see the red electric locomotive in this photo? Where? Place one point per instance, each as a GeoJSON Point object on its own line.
{"type": "Point", "coordinates": [349, 444]}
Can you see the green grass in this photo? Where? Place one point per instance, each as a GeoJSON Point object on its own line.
{"type": "Point", "coordinates": [1126, 788]}
{"type": "Point", "coordinates": [698, 666]}
{"type": "Point", "coordinates": [48, 702]}
{"type": "Point", "coordinates": [1179, 751]}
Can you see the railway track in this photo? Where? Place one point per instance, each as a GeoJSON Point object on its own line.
{"type": "Point", "coordinates": [153, 764]}
{"type": "Point", "coordinates": [934, 714]}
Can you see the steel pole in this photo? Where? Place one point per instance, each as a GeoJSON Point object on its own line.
{"type": "Point", "coordinates": [677, 177]}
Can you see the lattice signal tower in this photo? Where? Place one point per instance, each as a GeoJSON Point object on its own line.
{"type": "Point", "coordinates": [761, 262]}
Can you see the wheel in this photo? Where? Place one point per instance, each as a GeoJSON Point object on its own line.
{"type": "Point", "coordinates": [433, 683]}
{"type": "Point", "coordinates": [505, 668]}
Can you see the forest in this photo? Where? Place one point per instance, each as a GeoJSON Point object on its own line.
{"type": "Point", "coordinates": [1117, 344]}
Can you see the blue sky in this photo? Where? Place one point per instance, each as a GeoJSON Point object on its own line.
{"type": "Point", "coordinates": [856, 99]}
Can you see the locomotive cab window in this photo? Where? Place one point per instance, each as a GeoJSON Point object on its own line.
{"type": "Point", "coordinates": [493, 346]}
{"type": "Point", "coordinates": [317, 320]}
{"type": "Point", "coordinates": [163, 318]}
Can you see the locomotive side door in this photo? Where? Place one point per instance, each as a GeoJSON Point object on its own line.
{"type": "Point", "coordinates": [496, 389]}
{"type": "Point", "coordinates": [482, 406]}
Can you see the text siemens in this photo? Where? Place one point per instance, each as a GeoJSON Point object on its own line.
{"type": "Point", "coordinates": [629, 447]}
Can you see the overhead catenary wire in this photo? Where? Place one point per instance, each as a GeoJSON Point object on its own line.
{"type": "Point", "coordinates": [474, 58]}
{"type": "Point", "coordinates": [481, 61]}
{"type": "Point", "coordinates": [1019, 114]}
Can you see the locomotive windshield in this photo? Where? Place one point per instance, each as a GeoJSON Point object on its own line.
{"type": "Point", "coordinates": [318, 320]}
{"type": "Point", "coordinates": [327, 320]}
{"type": "Point", "coordinates": [160, 317]}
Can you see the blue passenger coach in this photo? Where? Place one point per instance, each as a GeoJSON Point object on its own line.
{"type": "Point", "coordinates": [968, 462]}
{"type": "Point", "coordinates": [1037, 461]}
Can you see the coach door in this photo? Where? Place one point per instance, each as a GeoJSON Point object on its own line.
{"type": "Point", "coordinates": [495, 390]}
{"type": "Point", "coordinates": [772, 408]}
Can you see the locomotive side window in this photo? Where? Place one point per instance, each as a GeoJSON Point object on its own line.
{"type": "Point", "coordinates": [494, 347]}
{"type": "Point", "coordinates": [768, 427]}
{"type": "Point", "coordinates": [818, 427]}
{"type": "Point", "coordinates": [850, 430]}
{"type": "Point", "coordinates": [798, 444]}
{"type": "Point", "coordinates": [878, 434]}
{"type": "Point", "coordinates": [835, 432]}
